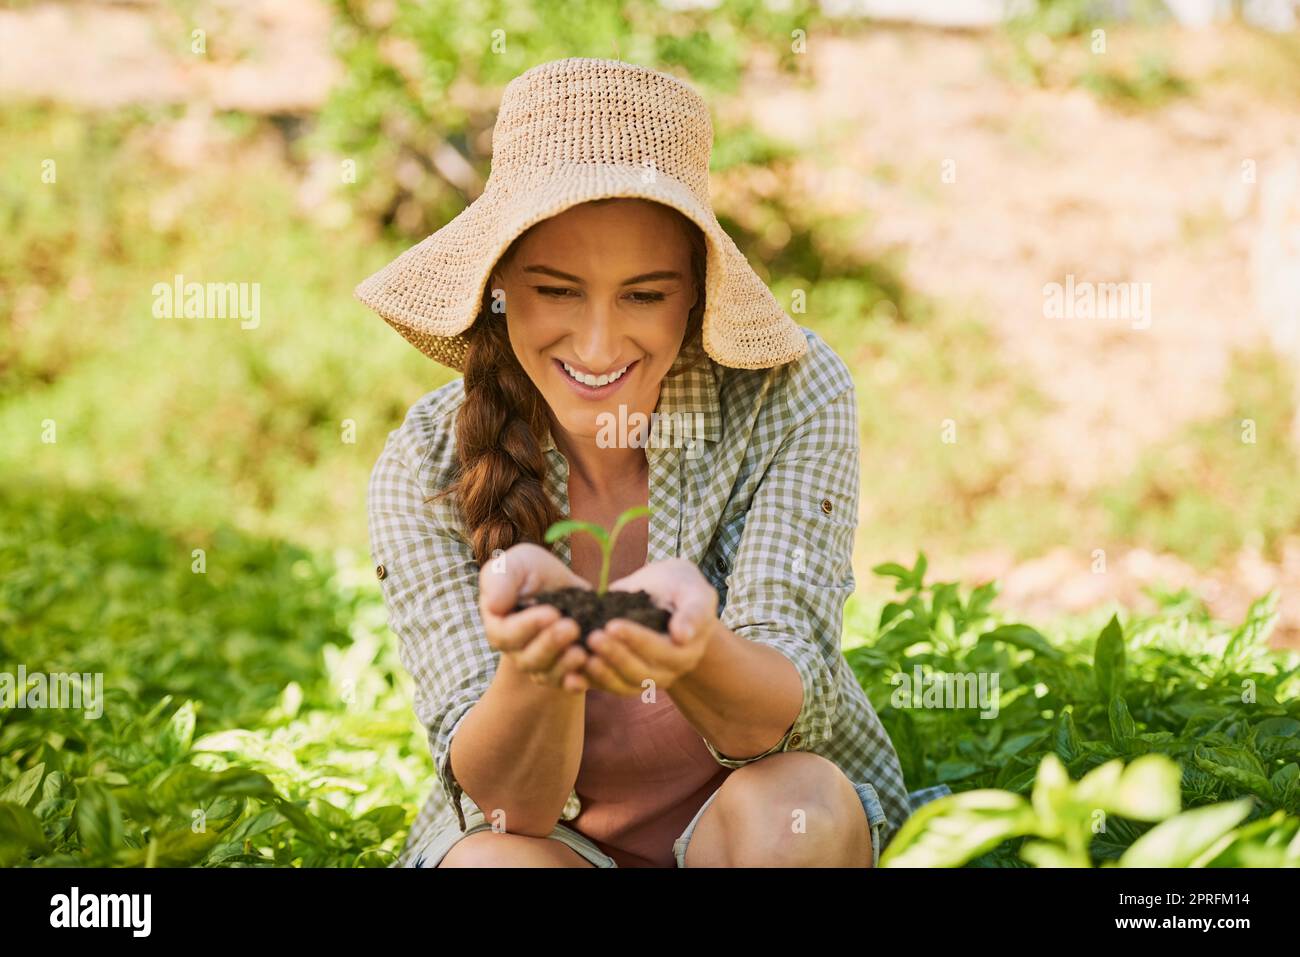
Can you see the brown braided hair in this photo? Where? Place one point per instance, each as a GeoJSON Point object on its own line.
{"type": "Point", "coordinates": [501, 469]}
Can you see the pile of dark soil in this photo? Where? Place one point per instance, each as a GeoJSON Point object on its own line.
{"type": "Point", "coordinates": [592, 611]}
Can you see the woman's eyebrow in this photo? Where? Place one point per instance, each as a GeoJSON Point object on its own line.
{"type": "Point", "coordinates": [644, 277]}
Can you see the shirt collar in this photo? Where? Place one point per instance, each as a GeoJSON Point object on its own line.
{"type": "Point", "coordinates": [693, 393]}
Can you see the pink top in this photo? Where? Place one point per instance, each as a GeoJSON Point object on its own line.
{"type": "Point", "coordinates": [645, 771]}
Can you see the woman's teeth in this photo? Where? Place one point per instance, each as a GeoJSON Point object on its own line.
{"type": "Point", "coordinates": [593, 380]}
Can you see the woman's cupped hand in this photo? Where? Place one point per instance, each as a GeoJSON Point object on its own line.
{"type": "Point", "coordinates": [543, 644]}
{"type": "Point", "coordinates": [537, 642]}
{"type": "Point", "coordinates": [626, 655]}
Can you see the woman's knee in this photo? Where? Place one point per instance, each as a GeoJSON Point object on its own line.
{"type": "Point", "coordinates": [796, 785]}
{"type": "Point", "coordinates": [502, 849]}
{"type": "Point", "coordinates": [789, 809]}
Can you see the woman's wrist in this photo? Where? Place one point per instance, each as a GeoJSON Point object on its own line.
{"type": "Point", "coordinates": [718, 695]}
{"type": "Point", "coordinates": [713, 662]}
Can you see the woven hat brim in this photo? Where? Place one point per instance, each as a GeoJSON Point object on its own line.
{"type": "Point", "coordinates": [432, 292]}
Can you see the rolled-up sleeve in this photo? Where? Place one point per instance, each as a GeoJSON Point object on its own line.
{"type": "Point", "coordinates": [793, 569]}
{"type": "Point", "coordinates": [429, 580]}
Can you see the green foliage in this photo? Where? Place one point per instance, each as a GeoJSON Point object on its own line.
{"type": "Point", "coordinates": [1069, 43]}
{"type": "Point", "coordinates": [1064, 818]}
{"type": "Point", "coordinates": [189, 418]}
{"type": "Point", "coordinates": [1057, 18]}
{"type": "Point", "coordinates": [252, 715]}
{"type": "Point", "coordinates": [605, 539]}
{"type": "Point", "coordinates": [1157, 714]}
{"type": "Point", "coordinates": [420, 79]}
{"type": "Point", "coordinates": [1150, 84]}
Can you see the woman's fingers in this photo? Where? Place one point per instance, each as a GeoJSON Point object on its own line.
{"type": "Point", "coordinates": [500, 583]}
{"type": "Point", "coordinates": [571, 659]}
{"type": "Point", "coordinates": [576, 682]}
{"type": "Point", "coordinates": [513, 632]}
{"type": "Point", "coordinates": [696, 608]}
{"type": "Point", "coordinates": [606, 678]}
{"type": "Point", "coordinates": [614, 657]}
{"type": "Point", "coordinates": [522, 570]}
{"type": "Point", "coordinates": [565, 672]}
{"type": "Point", "coordinates": [542, 652]}
{"type": "Point", "coordinates": [650, 647]}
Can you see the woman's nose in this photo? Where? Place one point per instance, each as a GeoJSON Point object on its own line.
{"type": "Point", "coordinates": [596, 341]}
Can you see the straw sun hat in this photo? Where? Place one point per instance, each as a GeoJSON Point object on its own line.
{"type": "Point", "coordinates": [570, 131]}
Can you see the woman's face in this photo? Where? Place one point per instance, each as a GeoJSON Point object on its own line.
{"type": "Point", "coordinates": [603, 291]}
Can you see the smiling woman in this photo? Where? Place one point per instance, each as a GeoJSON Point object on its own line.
{"type": "Point", "coordinates": [603, 288]}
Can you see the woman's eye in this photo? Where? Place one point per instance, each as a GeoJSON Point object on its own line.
{"type": "Point", "coordinates": [564, 292]}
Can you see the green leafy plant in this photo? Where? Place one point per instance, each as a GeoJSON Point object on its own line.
{"type": "Point", "coordinates": [255, 715]}
{"type": "Point", "coordinates": [1077, 715]}
{"type": "Point", "coordinates": [1062, 818]}
{"type": "Point", "coordinates": [605, 539]}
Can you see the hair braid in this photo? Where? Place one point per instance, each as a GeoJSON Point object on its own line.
{"type": "Point", "coordinates": [501, 480]}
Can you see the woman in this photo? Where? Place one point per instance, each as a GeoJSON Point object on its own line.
{"type": "Point", "coordinates": [588, 291]}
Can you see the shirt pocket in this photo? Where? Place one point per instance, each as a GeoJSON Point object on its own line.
{"type": "Point", "coordinates": [810, 545]}
{"type": "Point", "coordinates": [821, 538]}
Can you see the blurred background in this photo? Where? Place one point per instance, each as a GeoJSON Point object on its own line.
{"type": "Point", "coordinates": [915, 174]}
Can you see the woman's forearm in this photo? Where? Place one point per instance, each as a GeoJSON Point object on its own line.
{"type": "Point", "coordinates": [518, 750]}
{"type": "Point", "coordinates": [742, 696]}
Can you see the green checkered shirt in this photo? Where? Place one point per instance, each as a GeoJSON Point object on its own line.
{"type": "Point", "coordinates": [759, 488]}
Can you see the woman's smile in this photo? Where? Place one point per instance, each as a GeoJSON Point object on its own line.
{"type": "Point", "coordinates": [590, 386]}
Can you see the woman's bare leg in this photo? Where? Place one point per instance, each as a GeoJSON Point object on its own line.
{"type": "Point", "coordinates": [502, 849]}
{"type": "Point", "coordinates": [790, 809]}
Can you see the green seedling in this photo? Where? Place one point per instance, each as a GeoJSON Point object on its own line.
{"type": "Point", "coordinates": [605, 539]}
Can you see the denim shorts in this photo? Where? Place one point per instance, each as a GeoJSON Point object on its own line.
{"type": "Point", "coordinates": [437, 846]}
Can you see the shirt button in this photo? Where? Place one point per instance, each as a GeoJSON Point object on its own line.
{"type": "Point", "coordinates": [720, 564]}
{"type": "Point", "coordinates": [381, 572]}
{"type": "Point", "coordinates": [826, 505]}
{"type": "Point", "coordinates": [795, 739]}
